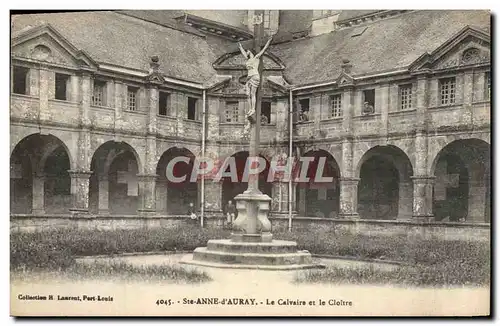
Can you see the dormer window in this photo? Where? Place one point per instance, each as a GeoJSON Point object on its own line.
{"type": "Point", "coordinates": [20, 78]}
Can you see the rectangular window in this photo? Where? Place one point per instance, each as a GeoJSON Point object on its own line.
{"type": "Point", "coordinates": [405, 93]}
{"type": "Point", "coordinates": [132, 94]}
{"type": "Point", "coordinates": [336, 106]}
{"type": "Point", "coordinates": [98, 93]}
{"type": "Point", "coordinates": [487, 78]}
{"type": "Point", "coordinates": [20, 80]}
{"type": "Point", "coordinates": [192, 108]}
{"type": "Point", "coordinates": [163, 103]}
{"type": "Point", "coordinates": [447, 88]}
{"type": "Point", "coordinates": [265, 111]}
{"type": "Point", "coordinates": [232, 112]}
{"type": "Point", "coordinates": [369, 101]}
{"type": "Point", "coordinates": [62, 82]}
{"type": "Point", "coordinates": [304, 104]}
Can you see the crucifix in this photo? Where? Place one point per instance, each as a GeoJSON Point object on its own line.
{"type": "Point", "coordinates": [252, 222]}
{"type": "Point", "coordinates": [129, 177]}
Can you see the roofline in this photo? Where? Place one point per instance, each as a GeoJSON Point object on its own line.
{"type": "Point", "coordinates": [382, 74]}
{"type": "Point", "coordinates": [142, 73]}
{"type": "Point", "coordinates": [178, 28]}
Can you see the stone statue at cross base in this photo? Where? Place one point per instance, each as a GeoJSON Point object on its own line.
{"type": "Point", "coordinates": [253, 82]}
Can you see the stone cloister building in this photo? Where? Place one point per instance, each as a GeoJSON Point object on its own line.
{"type": "Point", "coordinates": [398, 102]}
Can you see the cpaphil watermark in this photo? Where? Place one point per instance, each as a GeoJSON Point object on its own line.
{"type": "Point", "coordinates": [300, 170]}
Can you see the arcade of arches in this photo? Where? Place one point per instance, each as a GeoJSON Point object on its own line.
{"type": "Point", "coordinates": [44, 180]}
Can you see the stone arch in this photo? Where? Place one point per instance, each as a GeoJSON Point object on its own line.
{"type": "Point", "coordinates": [318, 199]}
{"type": "Point", "coordinates": [113, 185]}
{"type": "Point", "coordinates": [175, 197]}
{"type": "Point", "coordinates": [41, 184]}
{"type": "Point", "coordinates": [18, 138]}
{"type": "Point", "coordinates": [385, 189]}
{"type": "Point", "coordinates": [441, 143]}
{"type": "Point", "coordinates": [126, 145]}
{"type": "Point", "coordinates": [462, 185]}
{"type": "Point", "coordinates": [232, 189]}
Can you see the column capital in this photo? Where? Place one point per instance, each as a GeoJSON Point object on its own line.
{"type": "Point", "coordinates": [423, 179]}
{"type": "Point", "coordinates": [147, 177]}
{"type": "Point", "coordinates": [80, 173]}
{"type": "Point", "coordinates": [349, 180]}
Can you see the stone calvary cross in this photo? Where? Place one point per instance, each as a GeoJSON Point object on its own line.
{"type": "Point", "coordinates": [251, 244]}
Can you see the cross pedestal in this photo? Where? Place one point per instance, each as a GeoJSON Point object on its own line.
{"type": "Point", "coordinates": [252, 224]}
{"type": "Point", "coordinates": [251, 244]}
{"type": "Point", "coordinates": [129, 178]}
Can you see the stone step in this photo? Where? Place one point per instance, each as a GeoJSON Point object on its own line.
{"type": "Point", "coordinates": [275, 259]}
{"type": "Point", "coordinates": [276, 246]}
{"type": "Point", "coordinates": [189, 261]}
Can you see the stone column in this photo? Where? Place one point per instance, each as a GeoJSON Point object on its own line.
{"type": "Point", "coordinates": [468, 89]}
{"type": "Point", "coordinates": [213, 118]}
{"type": "Point", "coordinates": [348, 181]}
{"type": "Point", "coordinates": [213, 196]}
{"type": "Point", "coordinates": [86, 99]}
{"type": "Point", "coordinates": [119, 102]}
{"type": "Point", "coordinates": [161, 195]}
{"type": "Point", "coordinates": [152, 107]}
{"type": "Point", "coordinates": [38, 194]}
{"type": "Point", "coordinates": [477, 192]}
{"type": "Point", "coordinates": [422, 182]}
{"type": "Point", "coordinates": [75, 89]}
{"type": "Point", "coordinates": [46, 79]}
{"type": "Point", "coordinates": [80, 191]}
{"type": "Point", "coordinates": [34, 82]}
{"type": "Point", "coordinates": [349, 198]}
{"type": "Point", "coordinates": [103, 206]}
{"type": "Point", "coordinates": [382, 101]}
{"type": "Point", "coordinates": [147, 193]}
{"type": "Point", "coordinates": [422, 197]}
{"type": "Point", "coordinates": [405, 200]}
{"type": "Point", "coordinates": [278, 203]}
{"type": "Point", "coordinates": [302, 201]}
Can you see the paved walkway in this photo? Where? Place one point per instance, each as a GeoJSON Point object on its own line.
{"type": "Point", "coordinates": [267, 293]}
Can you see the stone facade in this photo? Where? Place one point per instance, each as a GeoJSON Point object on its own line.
{"type": "Point", "coordinates": [116, 148]}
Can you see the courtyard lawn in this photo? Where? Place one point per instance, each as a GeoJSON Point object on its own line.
{"type": "Point", "coordinates": [425, 262]}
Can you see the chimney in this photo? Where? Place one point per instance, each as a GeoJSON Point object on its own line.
{"type": "Point", "coordinates": [346, 66]}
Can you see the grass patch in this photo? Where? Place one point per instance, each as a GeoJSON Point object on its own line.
{"type": "Point", "coordinates": [433, 261]}
{"type": "Point", "coordinates": [122, 271]}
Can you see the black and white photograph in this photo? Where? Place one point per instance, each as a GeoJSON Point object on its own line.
{"type": "Point", "coordinates": [250, 162]}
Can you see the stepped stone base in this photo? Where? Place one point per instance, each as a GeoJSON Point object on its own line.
{"type": "Point", "coordinates": [273, 255]}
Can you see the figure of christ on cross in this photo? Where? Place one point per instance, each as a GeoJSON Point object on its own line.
{"type": "Point", "coordinates": [253, 65]}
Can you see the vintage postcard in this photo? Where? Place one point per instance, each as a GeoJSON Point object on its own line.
{"type": "Point", "coordinates": [250, 163]}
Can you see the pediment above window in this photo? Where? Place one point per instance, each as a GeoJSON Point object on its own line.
{"type": "Point", "coordinates": [44, 44]}
{"type": "Point", "coordinates": [236, 61]}
{"type": "Point", "coordinates": [469, 47]}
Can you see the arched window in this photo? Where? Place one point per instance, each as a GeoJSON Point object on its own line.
{"type": "Point", "coordinates": [470, 55]}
